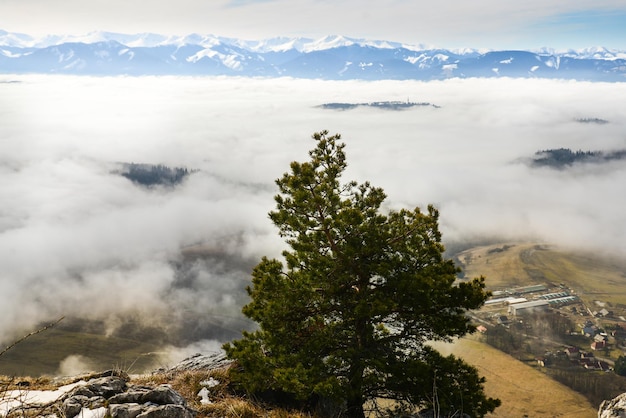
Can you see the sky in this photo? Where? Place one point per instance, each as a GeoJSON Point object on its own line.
{"type": "Point", "coordinates": [489, 24]}
{"type": "Point", "coordinates": [79, 240]}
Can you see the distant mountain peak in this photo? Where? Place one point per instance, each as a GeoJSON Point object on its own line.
{"type": "Point", "coordinates": [335, 57]}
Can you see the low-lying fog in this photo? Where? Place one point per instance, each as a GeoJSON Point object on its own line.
{"type": "Point", "coordinates": [78, 239]}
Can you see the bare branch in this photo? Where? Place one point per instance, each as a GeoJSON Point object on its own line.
{"type": "Point", "coordinates": [31, 334]}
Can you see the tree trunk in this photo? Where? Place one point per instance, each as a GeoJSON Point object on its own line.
{"type": "Point", "coordinates": [355, 407]}
{"type": "Point", "coordinates": [362, 337]}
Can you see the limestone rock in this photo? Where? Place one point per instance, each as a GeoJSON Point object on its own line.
{"type": "Point", "coordinates": [164, 395]}
{"type": "Point", "coordinates": [615, 408]}
{"type": "Point", "coordinates": [107, 386]}
{"type": "Point", "coordinates": [167, 411]}
{"type": "Point", "coordinates": [73, 405]}
{"type": "Point", "coordinates": [109, 394]}
{"type": "Point", "coordinates": [216, 360]}
{"type": "Point", "coordinates": [125, 401]}
{"type": "Point", "coordinates": [125, 410]}
{"type": "Point", "coordinates": [161, 395]}
{"type": "Point", "coordinates": [132, 395]}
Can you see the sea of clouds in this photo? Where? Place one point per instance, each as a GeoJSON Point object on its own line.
{"type": "Point", "coordinates": [79, 240]}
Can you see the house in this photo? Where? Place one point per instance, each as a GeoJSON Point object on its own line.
{"type": "Point", "coordinates": [481, 329]}
{"type": "Point", "coordinates": [572, 352]}
{"type": "Point", "coordinates": [502, 320]}
{"type": "Point", "coordinates": [586, 358]}
{"type": "Point", "coordinates": [543, 361]}
{"type": "Point", "coordinates": [598, 345]}
{"type": "Point", "coordinates": [604, 366]}
{"type": "Point", "coordinates": [585, 362]}
{"type": "Point", "coordinates": [619, 332]}
{"type": "Point", "coordinates": [598, 365]}
{"type": "Point", "coordinates": [589, 330]}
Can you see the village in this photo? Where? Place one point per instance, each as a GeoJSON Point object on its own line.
{"type": "Point", "coordinates": [555, 326]}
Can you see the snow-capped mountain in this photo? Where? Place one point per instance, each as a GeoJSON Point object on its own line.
{"type": "Point", "coordinates": [331, 57]}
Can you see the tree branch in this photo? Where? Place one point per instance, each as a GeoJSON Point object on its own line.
{"type": "Point", "coordinates": [31, 334]}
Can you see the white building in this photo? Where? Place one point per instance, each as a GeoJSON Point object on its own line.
{"type": "Point", "coordinates": [519, 308]}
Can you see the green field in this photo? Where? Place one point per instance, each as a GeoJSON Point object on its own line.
{"type": "Point", "coordinates": [43, 353]}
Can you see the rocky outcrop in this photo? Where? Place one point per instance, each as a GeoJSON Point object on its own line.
{"type": "Point", "coordinates": [615, 408]}
{"type": "Point", "coordinates": [216, 360]}
{"type": "Point", "coordinates": [109, 394]}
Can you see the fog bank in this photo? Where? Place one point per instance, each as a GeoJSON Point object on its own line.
{"type": "Point", "coordinates": [76, 239]}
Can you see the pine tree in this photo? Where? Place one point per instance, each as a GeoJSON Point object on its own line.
{"type": "Point", "coordinates": [620, 366]}
{"type": "Point", "coordinates": [347, 314]}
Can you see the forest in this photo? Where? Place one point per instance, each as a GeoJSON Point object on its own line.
{"type": "Point", "coordinates": [565, 157]}
{"type": "Point", "coordinates": [149, 175]}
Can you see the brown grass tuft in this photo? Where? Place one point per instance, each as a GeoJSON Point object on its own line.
{"type": "Point", "coordinates": [225, 403]}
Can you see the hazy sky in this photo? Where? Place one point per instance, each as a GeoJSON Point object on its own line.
{"type": "Point", "coordinates": [446, 23]}
{"type": "Point", "coordinates": [77, 239]}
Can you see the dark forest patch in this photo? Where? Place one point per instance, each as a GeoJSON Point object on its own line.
{"type": "Point", "coordinates": [561, 158]}
{"type": "Point", "coordinates": [150, 175]}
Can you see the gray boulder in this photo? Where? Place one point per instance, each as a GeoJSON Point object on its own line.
{"type": "Point", "coordinates": [164, 395]}
{"type": "Point", "coordinates": [126, 401]}
{"type": "Point", "coordinates": [167, 411]}
{"type": "Point", "coordinates": [107, 386]}
{"type": "Point", "coordinates": [125, 410]}
{"type": "Point", "coordinates": [111, 394]}
{"type": "Point", "coordinates": [73, 405]}
{"type": "Point", "coordinates": [132, 395]}
{"type": "Point", "coordinates": [615, 408]}
{"type": "Point", "coordinates": [161, 395]}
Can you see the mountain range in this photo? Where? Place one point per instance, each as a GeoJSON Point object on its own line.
{"type": "Point", "coordinates": [331, 57]}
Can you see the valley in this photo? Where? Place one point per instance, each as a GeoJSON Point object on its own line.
{"type": "Point", "coordinates": [556, 312]}
{"type": "Point", "coordinates": [521, 355]}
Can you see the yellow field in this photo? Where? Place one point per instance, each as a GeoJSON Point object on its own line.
{"type": "Point", "coordinates": [592, 277]}
{"type": "Point", "coordinates": [524, 391]}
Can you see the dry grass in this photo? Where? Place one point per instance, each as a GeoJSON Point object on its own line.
{"type": "Point", "coordinates": [504, 266]}
{"type": "Point", "coordinates": [26, 383]}
{"type": "Point", "coordinates": [223, 404]}
{"type": "Point", "coordinates": [501, 269]}
{"type": "Point", "coordinates": [243, 408]}
{"type": "Point", "coordinates": [523, 390]}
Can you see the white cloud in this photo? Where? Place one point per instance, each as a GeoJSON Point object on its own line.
{"type": "Point", "coordinates": [78, 240]}
{"type": "Point", "coordinates": [73, 365]}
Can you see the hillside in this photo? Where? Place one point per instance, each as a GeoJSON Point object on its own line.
{"type": "Point", "coordinates": [591, 276]}
{"type": "Point", "coordinates": [524, 388]}
{"type": "Point", "coordinates": [63, 351]}
{"type": "Point", "coordinates": [563, 312]}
